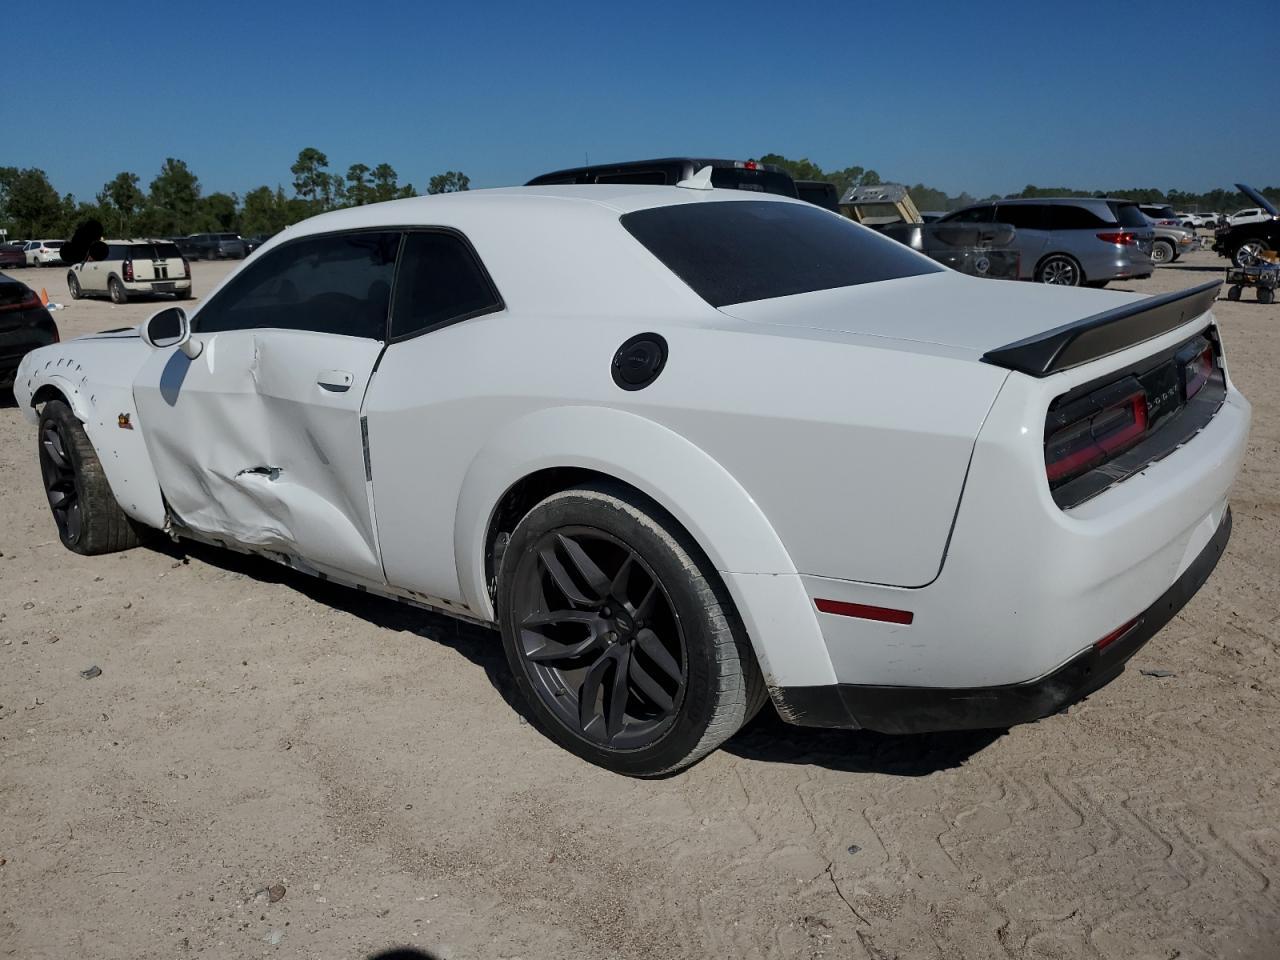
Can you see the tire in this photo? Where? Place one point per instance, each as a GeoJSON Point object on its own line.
{"type": "Point", "coordinates": [88, 518]}
{"type": "Point", "coordinates": [1060, 270]}
{"type": "Point", "coordinates": [1162, 251]}
{"type": "Point", "coordinates": [1266, 295]}
{"type": "Point", "coordinates": [73, 287]}
{"type": "Point", "coordinates": [648, 633]}
{"type": "Point", "coordinates": [182, 294]}
{"type": "Point", "coordinates": [1233, 293]}
{"type": "Point", "coordinates": [1247, 253]}
{"type": "Point", "coordinates": [118, 293]}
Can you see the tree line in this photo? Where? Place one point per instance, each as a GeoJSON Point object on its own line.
{"type": "Point", "coordinates": [930, 198]}
{"type": "Point", "coordinates": [174, 204]}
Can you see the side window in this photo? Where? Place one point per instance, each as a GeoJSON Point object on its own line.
{"type": "Point", "coordinates": [982, 214]}
{"type": "Point", "coordinates": [117, 251]}
{"type": "Point", "coordinates": [1066, 216]}
{"type": "Point", "coordinates": [440, 282]}
{"type": "Point", "coordinates": [656, 177]}
{"type": "Point", "coordinates": [337, 284]}
{"type": "Point", "coordinates": [1022, 216]}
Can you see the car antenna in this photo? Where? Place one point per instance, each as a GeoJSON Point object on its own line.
{"type": "Point", "coordinates": [699, 181]}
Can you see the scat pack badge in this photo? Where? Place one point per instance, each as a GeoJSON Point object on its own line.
{"type": "Point", "coordinates": [124, 421]}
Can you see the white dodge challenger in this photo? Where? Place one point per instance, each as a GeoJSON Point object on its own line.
{"type": "Point", "coordinates": [689, 449]}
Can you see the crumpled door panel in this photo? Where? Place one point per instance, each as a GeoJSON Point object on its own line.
{"type": "Point", "coordinates": [250, 447]}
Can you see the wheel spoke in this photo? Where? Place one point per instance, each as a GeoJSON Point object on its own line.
{"type": "Point", "coordinates": [561, 578]}
{"type": "Point", "coordinates": [73, 522]}
{"type": "Point", "coordinates": [549, 651]}
{"type": "Point", "coordinates": [617, 699]}
{"type": "Point", "coordinates": [588, 617]}
{"type": "Point", "coordinates": [649, 686]}
{"type": "Point", "coordinates": [589, 693]}
{"type": "Point", "coordinates": [645, 609]}
{"type": "Point", "coordinates": [618, 586]}
{"type": "Point", "coordinates": [648, 641]}
{"type": "Point", "coordinates": [585, 566]}
{"type": "Point", "coordinates": [53, 447]}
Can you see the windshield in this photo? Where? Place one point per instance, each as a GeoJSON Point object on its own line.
{"type": "Point", "coordinates": [736, 252]}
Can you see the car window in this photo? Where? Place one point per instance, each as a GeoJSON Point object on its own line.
{"type": "Point", "coordinates": [53, 244]}
{"type": "Point", "coordinates": [1068, 216]}
{"type": "Point", "coordinates": [167, 250]}
{"type": "Point", "coordinates": [735, 252]}
{"type": "Point", "coordinates": [983, 214]}
{"type": "Point", "coordinates": [339, 284]}
{"type": "Point", "coordinates": [1023, 216]}
{"type": "Point", "coordinates": [440, 281]}
{"type": "Point", "coordinates": [1129, 215]}
{"type": "Point", "coordinates": [117, 251]}
{"type": "Point", "coordinates": [634, 176]}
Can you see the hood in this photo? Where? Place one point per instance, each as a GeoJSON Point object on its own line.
{"type": "Point", "coordinates": [1258, 198]}
{"type": "Point", "coordinates": [945, 309]}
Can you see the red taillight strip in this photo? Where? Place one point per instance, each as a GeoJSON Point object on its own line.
{"type": "Point", "coordinates": [1115, 634]}
{"type": "Point", "coordinates": [865, 611]}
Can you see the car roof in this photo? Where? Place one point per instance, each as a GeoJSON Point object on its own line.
{"type": "Point", "coordinates": [697, 162]}
{"type": "Point", "coordinates": [1061, 200]}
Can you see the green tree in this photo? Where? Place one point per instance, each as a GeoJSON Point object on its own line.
{"type": "Point", "coordinates": [358, 189]}
{"type": "Point", "coordinates": [31, 204]}
{"type": "Point", "coordinates": [310, 181]}
{"type": "Point", "coordinates": [386, 186]}
{"type": "Point", "coordinates": [218, 211]}
{"type": "Point", "coordinates": [451, 181]}
{"type": "Point", "coordinates": [120, 201]}
{"type": "Point", "coordinates": [173, 204]}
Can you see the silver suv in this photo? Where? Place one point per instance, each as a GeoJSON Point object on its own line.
{"type": "Point", "coordinates": [1072, 240]}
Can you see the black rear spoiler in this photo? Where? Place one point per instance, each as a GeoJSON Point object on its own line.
{"type": "Point", "coordinates": [1103, 333]}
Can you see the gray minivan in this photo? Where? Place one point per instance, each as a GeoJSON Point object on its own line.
{"type": "Point", "coordinates": [1072, 240]}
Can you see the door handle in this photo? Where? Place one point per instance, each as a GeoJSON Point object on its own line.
{"type": "Point", "coordinates": [335, 380]}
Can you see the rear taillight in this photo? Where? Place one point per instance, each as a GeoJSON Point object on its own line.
{"type": "Point", "coordinates": [186, 268]}
{"type": "Point", "coordinates": [128, 271]}
{"type": "Point", "coordinates": [28, 302]}
{"type": "Point", "coordinates": [1104, 427]}
{"type": "Point", "coordinates": [1123, 238]}
{"type": "Point", "coordinates": [1197, 371]}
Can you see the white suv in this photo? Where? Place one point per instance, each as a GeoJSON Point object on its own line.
{"type": "Point", "coordinates": [41, 253]}
{"type": "Point", "coordinates": [133, 267]}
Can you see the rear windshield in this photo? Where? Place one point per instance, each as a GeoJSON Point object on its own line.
{"type": "Point", "coordinates": [53, 244]}
{"type": "Point", "coordinates": [736, 252]}
{"type": "Point", "coordinates": [1129, 215]}
{"type": "Point", "coordinates": [1160, 213]}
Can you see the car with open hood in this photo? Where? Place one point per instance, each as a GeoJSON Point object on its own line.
{"type": "Point", "coordinates": [1242, 242]}
{"type": "Point", "coordinates": [692, 451]}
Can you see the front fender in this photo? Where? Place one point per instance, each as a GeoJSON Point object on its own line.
{"type": "Point", "coordinates": [706, 499]}
{"type": "Point", "coordinates": [96, 375]}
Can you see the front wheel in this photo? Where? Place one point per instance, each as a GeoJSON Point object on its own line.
{"type": "Point", "coordinates": [1266, 295]}
{"type": "Point", "coordinates": [73, 286]}
{"type": "Point", "coordinates": [1060, 270]}
{"type": "Point", "coordinates": [1234, 293]}
{"type": "Point", "coordinates": [1248, 253]}
{"type": "Point", "coordinates": [1162, 252]}
{"type": "Point", "coordinates": [621, 639]}
{"type": "Point", "coordinates": [85, 511]}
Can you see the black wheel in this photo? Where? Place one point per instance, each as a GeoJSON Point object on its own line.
{"type": "Point", "coordinates": [1266, 295]}
{"type": "Point", "coordinates": [73, 286]}
{"type": "Point", "coordinates": [88, 518]}
{"type": "Point", "coordinates": [1059, 269]}
{"type": "Point", "coordinates": [182, 294]}
{"type": "Point", "coordinates": [1162, 251]}
{"type": "Point", "coordinates": [1233, 293]}
{"type": "Point", "coordinates": [1248, 252]}
{"type": "Point", "coordinates": [118, 293]}
{"type": "Point", "coordinates": [620, 637]}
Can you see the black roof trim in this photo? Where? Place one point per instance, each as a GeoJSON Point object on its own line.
{"type": "Point", "coordinates": [1105, 333]}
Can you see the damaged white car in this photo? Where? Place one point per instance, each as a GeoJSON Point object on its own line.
{"type": "Point", "coordinates": [690, 449]}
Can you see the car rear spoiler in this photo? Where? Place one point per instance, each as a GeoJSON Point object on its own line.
{"type": "Point", "coordinates": [1103, 333]}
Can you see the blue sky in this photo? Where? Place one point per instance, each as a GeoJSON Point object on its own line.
{"type": "Point", "coordinates": [1107, 94]}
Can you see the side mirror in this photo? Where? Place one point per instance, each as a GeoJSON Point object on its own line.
{"type": "Point", "coordinates": [171, 328]}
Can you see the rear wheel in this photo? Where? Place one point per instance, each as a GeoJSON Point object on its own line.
{"type": "Point", "coordinates": [88, 518]}
{"type": "Point", "coordinates": [118, 293]}
{"type": "Point", "coordinates": [622, 641]}
{"type": "Point", "coordinates": [1162, 252]}
{"type": "Point", "coordinates": [1059, 269]}
{"type": "Point", "coordinates": [1247, 253]}
{"type": "Point", "coordinates": [1266, 295]}
{"type": "Point", "coordinates": [73, 286]}
{"type": "Point", "coordinates": [1233, 293]}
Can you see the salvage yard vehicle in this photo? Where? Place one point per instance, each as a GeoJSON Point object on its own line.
{"type": "Point", "coordinates": [43, 253]}
{"type": "Point", "coordinates": [691, 450]}
{"type": "Point", "coordinates": [25, 324]}
{"type": "Point", "coordinates": [132, 268]}
{"type": "Point", "coordinates": [1072, 241]}
{"type": "Point", "coordinates": [1244, 242]}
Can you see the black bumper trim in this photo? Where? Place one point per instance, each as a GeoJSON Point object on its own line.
{"type": "Point", "coordinates": [889, 709]}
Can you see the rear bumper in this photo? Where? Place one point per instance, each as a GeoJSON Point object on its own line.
{"type": "Point", "coordinates": [901, 709]}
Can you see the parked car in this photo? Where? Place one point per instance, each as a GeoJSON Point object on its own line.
{"type": "Point", "coordinates": [1072, 241]}
{"type": "Point", "coordinates": [1249, 215]}
{"type": "Point", "coordinates": [43, 253]}
{"type": "Point", "coordinates": [215, 246]}
{"type": "Point", "coordinates": [690, 452]}
{"type": "Point", "coordinates": [25, 324]}
{"type": "Point", "coordinates": [1170, 241]}
{"type": "Point", "coordinates": [725, 174]}
{"type": "Point", "coordinates": [1242, 242]}
{"type": "Point", "coordinates": [1192, 220]}
{"type": "Point", "coordinates": [11, 256]}
{"type": "Point", "coordinates": [132, 268]}
{"type": "Point", "coordinates": [820, 193]}
{"type": "Point", "coordinates": [254, 242]}
{"type": "Point", "coordinates": [18, 243]}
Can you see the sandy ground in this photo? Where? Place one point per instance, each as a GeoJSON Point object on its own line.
{"type": "Point", "coordinates": [254, 727]}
